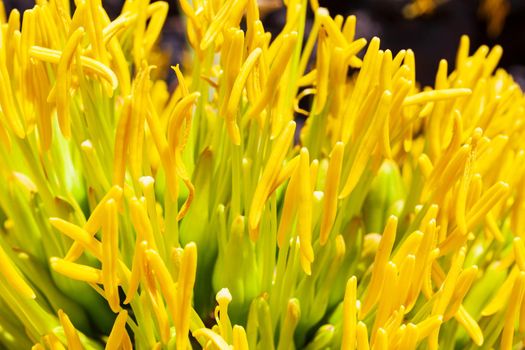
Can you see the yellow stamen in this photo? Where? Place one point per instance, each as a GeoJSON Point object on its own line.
{"type": "Point", "coordinates": [84, 238]}
{"type": "Point", "coordinates": [121, 144]}
{"type": "Point", "coordinates": [323, 71]}
{"type": "Point", "coordinates": [118, 331]}
{"type": "Point", "coordinates": [427, 326]}
{"type": "Point", "coordinates": [163, 277]}
{"type": "Point", "coordinates": [183, 295]}
{"type": "Point", "coordinates": [362, 336]}
{"type": "Point", "coordinates": [333, 177]}
{"type": "Point", "coordinates": [410, 336]}
{"type": "Point", "coordinates": [94, 222]}
{"type": "Point", "coordinates": [465, 280]}
{"type": "Point", "coordinates": [408, 247]}
{"type": "Point", "coordinates": [406, 273]}
{"type": "Point", "coordinates": [304, 207]}
{"type": "Point", "coordinates": [213, 337]}
{"type": "Point", "coordinates": [180, 113]}
{"type": "Point", "coordinates": [385, 302]}
{"type": "Point", "coordinates": [236, 93]}
{"type": "Point", "coordinates": [110, 255]}
{"type": "Point", "coordinates": [380, 340]}
{"type": "Point", "coordinates": [471, 326]}
{"type": "Point", "coordinates": [270, 173]}
{"type": "Point", "coordinates": [423, 256]}
{"type": "Point", "coordinates": [76, 271]}
{"type": "Point", "coordinates": [62, 84]}
{"type": "Point", "coordinates": [380, 262]}
{"type": "Point", "coordinates": [136, 271]}
{"type": "Point", "coordinates": [511, 313]}
{"type": "Point", "coordinates": [289, 210]}
{"type": "Point", "coordinates": [367, 145]}
{"type": "Point", "coordinates": [53, 342]}
{"type": "Point", "coordinates": [240, 342]}
{"type": "Point", "coordinates": [73, 340]}
{"type": "Point", "coordinates": [449, 285]}
{"type": "Point", "coordinates": [332, 29]}
{"type": "Point", "coordinates": [278, 66]}
{"type": "Point", "coordinates": [89, 64]}
{"type": "Point", "coordinates": [350, 315]}
{"type": "Point", "coordinates": [217, 25]}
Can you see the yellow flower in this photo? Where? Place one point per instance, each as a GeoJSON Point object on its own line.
{"type": "Point", "coordinates": [137, 217]}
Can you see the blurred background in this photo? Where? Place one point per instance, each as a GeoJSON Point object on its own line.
{"type": "Point", "coordinates": [432, 28]}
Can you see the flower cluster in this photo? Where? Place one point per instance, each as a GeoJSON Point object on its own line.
{"type": "Point", "coordinates": [134, 216]}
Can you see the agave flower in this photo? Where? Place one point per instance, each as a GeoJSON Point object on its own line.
{"type": "Point", "coordinates": [138, 217]}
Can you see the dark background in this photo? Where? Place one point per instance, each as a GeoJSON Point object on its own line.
{"type": "Point", "coordinates": [432, 37]}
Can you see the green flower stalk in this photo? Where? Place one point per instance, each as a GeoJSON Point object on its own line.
{"type": "Point", "coordinates": [134, 216]}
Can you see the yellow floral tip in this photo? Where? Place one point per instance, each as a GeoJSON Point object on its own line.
{"type": "Point", "coordinates": [73, 340]}
{"type": "Point", "coordinates": [291, 320]}
{"type": "Point", "coordinates": [278, 66]}
{"type": "Point", "coordinates": [426, 327]}
{"type": "Point", "coordinates": [118, 332]}
{"type": "Point", "coordinates": [378, 269]}
{"type": "Point", "coordinates": [290, 204]}
{"type": "Point", "coordinates": [381, 340]}
{"type": "Point", "coordinates": [362, 336]}
{"type": "Point", "coordinates": [213, 337]}
{"type": "Point", "coordinates": [436, 95]}
{"type": "Point", "coordinates": [110, 254]}
{"type": "Point", "coordinates": [350, 315]}
{"type": "Point", "coordinates": [465, 280]}
{"type": "Point", "coordinates": [332, 29]}
{"type": "Point", "coordinates": [52, 341]}
{"type": "Point", "coordinates": [62, 87]}
{"type": "Point", "coordinates": [240, 341]}
{"type": "Point", "coordinates": [176, 132]}
{"type": "Point", "coordinates": [304, 208]}
{"type": "Point", "coordinates": [185, 285]}
{"type": "Point", "coordinates": [236, 94]}
{"type": "Point", "coordinates": [13, 277]}
{"type": "Point", "coordinates": [79, 235]}
{"type": "Point", "coordinates": [269, 175]}
{"type": "Point", "coordinates": [330, 192]}
{"type": "Point", "coordinates": [471, 326]}
{"type": "Point", "coordinates": [89, 64]}
{"type": "Point", "coordinates": [512, 311]}
{"type": "Point", "coordinates": [368, 143]}
{"type": "Point", "coordinates": [76, 271]}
